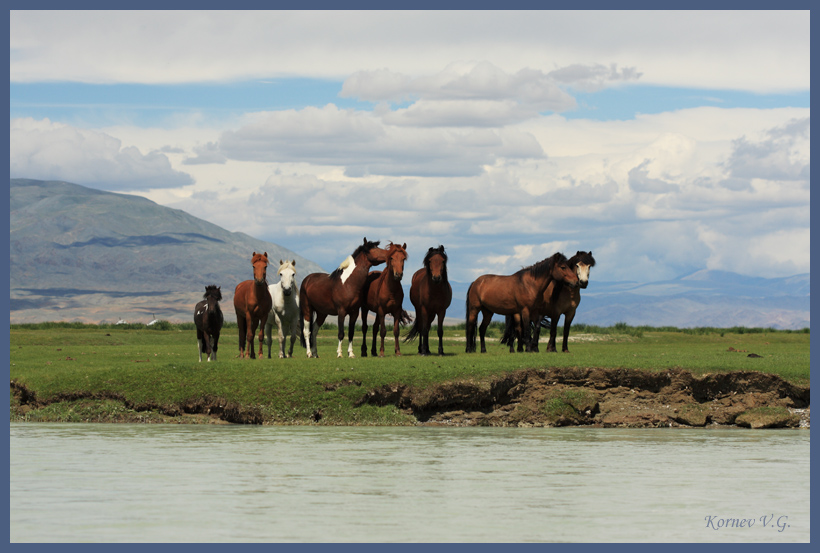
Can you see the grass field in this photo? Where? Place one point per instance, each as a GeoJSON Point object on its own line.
{"type": "Point", "coordinates": [72, 365]}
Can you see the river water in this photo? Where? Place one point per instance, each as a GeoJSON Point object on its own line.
{"type": "Point", "coordinates": [188, 483]}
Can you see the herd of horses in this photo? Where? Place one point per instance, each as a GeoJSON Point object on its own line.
{"type": "Point", "coordinates": [534, 296]}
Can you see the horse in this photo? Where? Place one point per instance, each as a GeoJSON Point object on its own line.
{"type": "Point", "coordinates": [430, 294]}
{"type": "Point", "coordinates": [339, 293]}
{"type": "Point", "coordinates": [383, 295]}
{"type": "Point", "coordinates": [284, 310]}
{"type": "Point", "coordinates": [208, 320]}
{"type": "Point", "coordinates": [557, 300]}
{"type": "Point", "coordinates": [516, 293]}
{"type": "Point", "coordinates": [252, 303]}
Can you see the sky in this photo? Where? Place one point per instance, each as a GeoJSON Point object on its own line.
{"type": "Point", "coordinates": [664, 142]}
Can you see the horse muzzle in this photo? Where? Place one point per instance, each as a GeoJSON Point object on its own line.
{"type": "Point", "coordinates": [436, 278]}
{"type": "Point", "coordinates": [583, 283]}
{"type": "Point", "coordinates": [287, 291]}
{"type": "Point", "coordinates": [397, 276]}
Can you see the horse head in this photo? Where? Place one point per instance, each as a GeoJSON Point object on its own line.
{"type": "Point", "coordinates": [396, 257]}
{"type": "Point", "coordinates": [582, 262]}
{"type": "Point", "coordinates": [436, 263]}
{"type": "Point", "coordinates": [214, 292]}
{"type": "Point", "coordinates": [561, 271]}
{"type": "Point", "coordinates": [287, 276]}
{"type": "Point", "coordinates": [260, 267]}
{"type": "Point", "coordinates": [375, 255]}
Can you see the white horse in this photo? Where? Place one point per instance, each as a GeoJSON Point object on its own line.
{"type": "Point", "coordinates": [284, 309]}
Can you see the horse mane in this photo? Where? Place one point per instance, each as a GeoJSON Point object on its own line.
{"type": "Point", "coordinates": [366, 246]}
{"type": "Point", "coordinates": [430, 253]}
{"type": "Point", "coordinates": [582, 257]}
{"type": "Point", "coordinates": [543, 267]}
{"type": "Point", "coordinates": [213, 291]}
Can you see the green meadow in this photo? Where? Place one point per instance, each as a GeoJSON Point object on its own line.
{"type": "Point", "coordinates": [74, 372]}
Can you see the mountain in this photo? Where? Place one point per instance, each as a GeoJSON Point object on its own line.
{"type": "Point", "coordinates": [88, 255]}
{"type": "Point", "coordinates": [79, 254]}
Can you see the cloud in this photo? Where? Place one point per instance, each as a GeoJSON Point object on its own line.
{"type": "Point", "coordinates": [748, 50]}
{"type": "Point", "coordinates": [41, 149]}
{"type": "Point", "coordinates": [782, 155]}
{"type": "Point", "coordinates": [593, 77]}
{"type": "Point", "coordinates": [209, 153]}
{"type": "Point", "coordinates": [363, 144]}
{"type": "Point", "coordinates": [639, 181]}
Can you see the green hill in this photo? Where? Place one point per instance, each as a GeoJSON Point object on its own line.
{"type": "Point", "coordinates": [79, 254]}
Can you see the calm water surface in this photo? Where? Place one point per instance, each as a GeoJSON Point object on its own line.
{"type": "Point", "coordinates": [170, 483]}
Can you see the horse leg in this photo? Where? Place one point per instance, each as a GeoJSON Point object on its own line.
{"type": "Point", "coordinates": [351, 332]}
{"type": "Point", "coordinates": [293, 332]}
{"type": "Point", "coordinates": [199, 343]}
{"type": "Point", "coordinates": [341, 333]}
{"type": "Point", "coordinates": [472, 320]}
{"type": "Point", "coordinates": [241, 324]}
{"type": "Point", "coordinates": [440, 332]}
{"type": "Point", "coordinates": [567, 322]}
{"type": "Point", "coordinates": [482, 330]}
{"type": "Point", "coordinates": [280, 334]}
{"type": "Point", "coordinates": [250, 331]}
{"type": "Point", "coordinates": [375, 335]}
{"type": "Point", "coordinates": [215, 338]}
{"type": "Point", "coordinates": [262, 322]}
{"type": "Point", "coordinates": [525, 328]}
{"type": "Point", "coordinates": [364, 332]}
{"type": "Point", "coordinates": [382, 331]}
{"type": "Point", "coordinates": [396, 325]}
{"type": "Point", "coordinates": [268, 331]}
{"type": "Point", "coordinates": [553, 332]}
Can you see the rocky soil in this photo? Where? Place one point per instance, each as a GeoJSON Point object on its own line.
{"type": "Point", "coordinates": [535, 397]}
{"type": "Point", "coordinates": [606, 398]}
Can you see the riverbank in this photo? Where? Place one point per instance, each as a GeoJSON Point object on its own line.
{"type": "Point", "coordinates": [609, 398]}
{"type": "Point", "coordinates": [614, 377]}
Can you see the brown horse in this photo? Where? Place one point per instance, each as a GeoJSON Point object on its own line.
{"type": "Point", "coordinates": [557, 300]}
{"type": "Point", "coordinates": [430, 294]}
{"type": "Point", "coordinates": [384, 296]}
{"type": "Point", "coordinates": [208, 320]}
{"type": "Point", "coordinates": [339, 293]}
{"type": "Point", "coordinates": [518, 293]}
{"type": "Point", "coordinates": [252, 303]}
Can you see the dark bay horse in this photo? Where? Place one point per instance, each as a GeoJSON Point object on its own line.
{"type": "Point", "coordinates": [252, 303]}
{"type": "Point", "coordinates": [518, 293]}
{"type": "Point", "coordinates": [430, 294]}
{"type": "Point", "coordinates": [208, 320]}
{"type": "Point", "coordinates": [339, 293]}
{"type": "Point", "coordinates": [557, 300]}
{"type": "Point", "coordinates": [384, 296]}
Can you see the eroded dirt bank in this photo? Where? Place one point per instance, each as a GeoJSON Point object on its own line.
{"type": "Point", "coordinates": [606, 398]}
{"type": "Point", "coordinates": [534, 397]}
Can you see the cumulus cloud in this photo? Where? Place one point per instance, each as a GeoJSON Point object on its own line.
{"type": "Point", "coordinates": [781, 155]}
{"type": "Point", "coordinates": [41, 149]}
{"type": "Point", "coordinates": [363, 144]}
{"type": "Point", "coordinates": [593, 77]}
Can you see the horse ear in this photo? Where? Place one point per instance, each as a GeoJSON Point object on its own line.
{"type": "Point", "coordinates": [281, 262]}
{"type": "Point", "coordinates": [404, 247]}
{"type": "Point", "coordinates": [293, 263]}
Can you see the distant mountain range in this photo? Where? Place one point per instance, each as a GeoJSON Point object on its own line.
{"type": "Point", "coordinates": [79, 254]}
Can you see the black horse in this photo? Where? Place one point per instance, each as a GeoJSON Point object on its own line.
{"type": "Point", "coordinates": [208, 321]}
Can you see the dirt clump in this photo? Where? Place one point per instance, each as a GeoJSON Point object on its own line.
{"type": "Point", "coordinates": [605, 398]}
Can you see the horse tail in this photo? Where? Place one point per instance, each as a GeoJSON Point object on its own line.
{"type": "Point", "coordinates": [405, 318]}
{"type": "Point", "coordinates": [413, 333]}
{"type": "Point", "coordinates": [509, 331]}
{"type": "Point", "coordinates": [470, 334]}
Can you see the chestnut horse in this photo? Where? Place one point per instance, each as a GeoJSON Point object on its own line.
{"type": "Point", "coordinates": [208, 320]}
{"type": "Point", "coordinates": [430, 294]}
{"type": "Point", "coordinates": [383, 296]}
{"type": "Point", "coordinates": [558, 300]}
{"type": "Point", "coordinates": [339, 293]}
{"type": "Point", "coordinates": [518, 293]}
{"type": "Point", "coordinates": [252, 303]}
